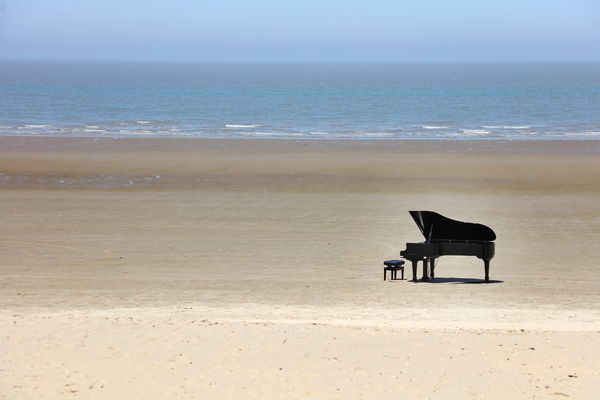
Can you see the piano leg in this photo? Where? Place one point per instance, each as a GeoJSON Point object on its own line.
{"type": "Point", "coordinates": [432, 264]}
{"type": "Point", "coordinates": [487, 270]}
{"type": "Point", "coordinates": [425, 271]}
{"type": "Point", "coordinates": [414, 268]}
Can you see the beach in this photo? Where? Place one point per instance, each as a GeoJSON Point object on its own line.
{"type": "Point", "coordinates": [252, 268]}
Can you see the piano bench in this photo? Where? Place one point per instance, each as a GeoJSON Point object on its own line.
{"type": "Point", "coordinates": [393, 266]}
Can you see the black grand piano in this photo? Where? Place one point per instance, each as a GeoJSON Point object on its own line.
{"type": "Point", "coordinates": [445, 237]}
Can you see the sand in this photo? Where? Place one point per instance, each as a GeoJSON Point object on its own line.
{"type": "Point", "coordinates": [199, 268]}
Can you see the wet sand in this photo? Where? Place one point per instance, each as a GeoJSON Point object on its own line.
{"type": "Point", "coordinates": [253, 268]}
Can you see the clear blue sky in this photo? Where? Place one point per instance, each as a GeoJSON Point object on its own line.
{"type": "Point", "coordinates": [302, 30]}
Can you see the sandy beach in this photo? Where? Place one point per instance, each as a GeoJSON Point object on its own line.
{"type": "Point", "coordinates": [222, 269]}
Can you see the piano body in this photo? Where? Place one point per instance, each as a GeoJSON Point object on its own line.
{"type": "Point", "coordinates": [445, 237]}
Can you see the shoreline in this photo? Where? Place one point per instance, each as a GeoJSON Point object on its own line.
{"type": "Point", "coordinates": [569, 146]}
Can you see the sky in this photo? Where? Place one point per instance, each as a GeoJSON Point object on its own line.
{"type": "Point", "coordinates": [302, 30]}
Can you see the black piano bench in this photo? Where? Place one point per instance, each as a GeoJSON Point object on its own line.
{"type": "Point", "coordinates": [393, 266]}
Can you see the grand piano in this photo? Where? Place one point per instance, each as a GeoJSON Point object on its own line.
{"type": "Point", "coordinates": [447, 237]}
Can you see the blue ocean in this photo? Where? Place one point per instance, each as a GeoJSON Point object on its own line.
{"type": "Point", "coordinates": [509, 101]}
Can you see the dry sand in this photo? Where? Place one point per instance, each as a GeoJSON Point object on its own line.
{"type": "Point", "coordinates": [161, 268]}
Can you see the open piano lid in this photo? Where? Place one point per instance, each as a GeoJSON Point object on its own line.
{"type": "Point", "coordinates": [436, 227]}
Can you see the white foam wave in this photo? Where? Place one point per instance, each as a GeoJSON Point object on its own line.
{"type": "Point", "coordinates": [590, 133]}
{"type": "Point", "coordinates": [94, 130]}
{"type": "Point", "coordinates": [266, 134]}
{"type": "Point", "coordinates": [35, 126]}
{"type": "Point", "coordinates": [143, 122]}
{"type": "Point", "coordinates": [241, 126]}
{"type": "Point", "coordinates": [475, 132]}
{"type": "Point", "coordinates": [375, 134]}
{"type": "Point", "coordinates": [505, 127]}
{"type": "Point", "coordinates": [435, 127]}
{"type": "Point", "coordinates": [134, 131]}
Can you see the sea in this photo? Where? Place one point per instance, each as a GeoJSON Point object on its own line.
{"type": "Point", "coordinates": [471, 101]}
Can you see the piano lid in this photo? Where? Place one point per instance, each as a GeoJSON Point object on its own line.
{"type": "Point", "coordinates": [436, 227]}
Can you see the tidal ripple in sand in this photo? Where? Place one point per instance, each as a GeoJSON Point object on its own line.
{"type": "Point", "coordinates": [50, 253]}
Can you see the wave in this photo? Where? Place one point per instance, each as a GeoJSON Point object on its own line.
{"type": "Point", "coordinates": [325, 131]}
{"type": "Point", "coordinates": [590, 133]}
{"type": "Point", "coordinates": [241, 126]}
{"type": "Point", "coordinates": [382, 134]}
{"type": "Point", "coordinates": [505, 127]}
{"type": "Point", "coordinates": [135, 132]}
{"type": "Point", "coordinates": [475, 132]}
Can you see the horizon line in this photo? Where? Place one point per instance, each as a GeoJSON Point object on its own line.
{"type": "Point", "coordinates": [183, 61]}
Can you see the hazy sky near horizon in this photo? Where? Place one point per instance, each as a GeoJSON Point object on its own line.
{"type": "Point", "coordinates": [302, 31]}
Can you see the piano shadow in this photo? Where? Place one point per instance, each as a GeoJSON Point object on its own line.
{"type": "Point", "coordinates": [457, 281]}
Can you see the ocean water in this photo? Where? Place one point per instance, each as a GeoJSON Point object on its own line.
{"type": "Point", "coordinates": [355, 101]}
